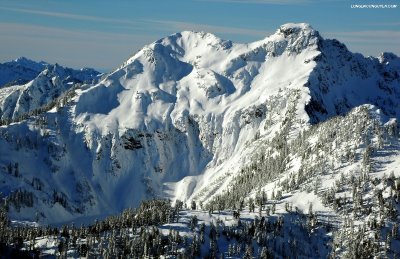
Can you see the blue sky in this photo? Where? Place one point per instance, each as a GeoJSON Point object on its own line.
{"type": "Point", "coordinates": [102, 34]}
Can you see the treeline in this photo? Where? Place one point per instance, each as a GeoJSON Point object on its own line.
{"type": "Point", "coordinates": [138, 233]}
{"type": "Point", "coordinates": [121, 236]}
{"type": "Point", "coordinates": [319, 150]}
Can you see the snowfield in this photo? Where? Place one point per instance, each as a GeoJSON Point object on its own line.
{"type": "Point", "coordinates": [195, 118]}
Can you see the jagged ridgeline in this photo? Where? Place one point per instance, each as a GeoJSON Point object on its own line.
{"type": "Point", "coordinates": [291, 125]}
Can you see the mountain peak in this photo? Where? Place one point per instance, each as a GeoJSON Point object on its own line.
{"type": "Point", "coordinates": [28, 62]}
{"type": "Point", "coordinates": [21, 59]}
{"type": "Point", "coordinates": [385, 57]}
{"type": "Point", "coordinates": [297, 30]}
{"type": "Point", "coordinates": [192, 39]}
{"type": "Point", "coordinates": [19, 71]}
{"type": "Point", "coordinates": [296, 37]}
{"type": "Point", "coordinates": [289, 28]}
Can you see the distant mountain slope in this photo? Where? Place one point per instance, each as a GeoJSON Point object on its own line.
{"type": "Point", "coordinates": [19, 71]}
{"type": "Point", "coordinates": [48, 83]}
{"type": "Point", "coordinates": [186, 115]}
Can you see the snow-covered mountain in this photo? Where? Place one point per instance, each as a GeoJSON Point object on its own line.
{"type": "Point", "coordinates": [187, 116]}
{"type": "Point", "coordinates": [19, 71]}
{"type": "Point", "coordinates": [22, 70]}
{"type": "Point", "coordinates": [49, 82]}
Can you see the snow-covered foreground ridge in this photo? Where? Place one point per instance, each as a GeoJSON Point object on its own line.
{"type": "Point", "coordinates": [188, 114]}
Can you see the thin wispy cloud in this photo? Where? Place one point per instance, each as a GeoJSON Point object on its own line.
{"type": "Point", "coordinates": [369, 42]}
{"type": "Point", "coordinates": [370, 33]}
{"type": "Point", "coordinates": [274, 2]}
{"type": "Point", "coordinates": [383, 24]}
{"type": "Point", "coordinates": [370, 36]}
{"type": "Point", "coordinates": [104, 50]}
{"type": "Point", "coordinates": [72, 16]}
{"type": "Point", "coordinates": [37, 31]}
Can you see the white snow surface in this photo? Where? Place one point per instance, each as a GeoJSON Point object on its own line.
{"type": "Point", "coordinates": [181, 117]}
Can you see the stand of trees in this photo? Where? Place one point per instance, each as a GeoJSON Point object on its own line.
{"type": "Point", "coordinates": [354, 138]}
{"type": "Point", "coordinates": [138, 233]}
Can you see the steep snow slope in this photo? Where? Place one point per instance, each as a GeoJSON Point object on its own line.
{"type": "Point", "coordinates": [186, 103]}
{"type": "Point", "coordinates": [181, 118]}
